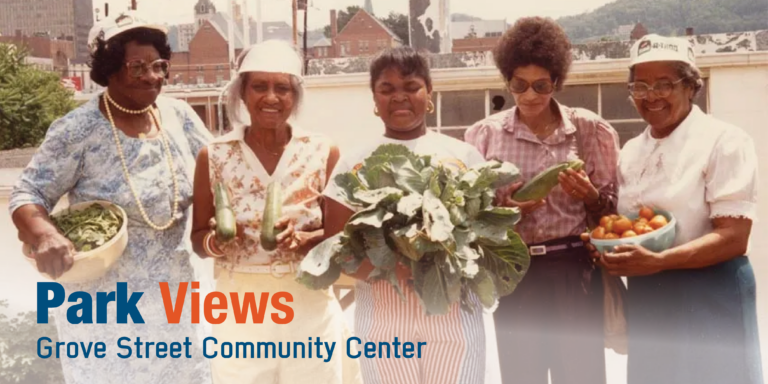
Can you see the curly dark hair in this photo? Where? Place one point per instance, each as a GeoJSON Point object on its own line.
{"type": "Point", "coordinates": [108, 59]}
{"type": "Point", "coordinates": [534, 40]}
{"type": "Point", "coordinates": [406, 60]}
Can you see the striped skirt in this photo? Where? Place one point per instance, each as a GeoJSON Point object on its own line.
{"type": "Point", "coordinates": [455, 352]}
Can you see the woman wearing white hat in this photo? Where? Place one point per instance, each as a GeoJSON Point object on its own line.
{"type": "Point", "coordinates": [136, 149]}
{"type": "Point", "coordinates": [691, 308]}
{"type": "Point", "coordinates": [264, 148]}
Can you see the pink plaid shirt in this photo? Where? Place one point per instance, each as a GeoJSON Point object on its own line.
{"type": "Point", "coordinates": [505, 138]}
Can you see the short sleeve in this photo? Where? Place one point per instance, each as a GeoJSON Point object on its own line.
{"type": "Point", "coordinates": [56, 166]}
{"type": "Point", "coordinates": [477, 136]}
{"type": "Point", "coordinates": [195, 130]}
{"type": "Point", "coordinates": [332, 190]}
{"type": "Point", "coordinates": [731, 177]}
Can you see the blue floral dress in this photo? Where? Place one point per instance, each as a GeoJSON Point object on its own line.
{"type": "Point", "coordinates": [79, 157]}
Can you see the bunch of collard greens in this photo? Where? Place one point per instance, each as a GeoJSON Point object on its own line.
{"type": "Point", "coordinates": [438, 221]}
{"type": "Point", "coordinates": [89, 228]}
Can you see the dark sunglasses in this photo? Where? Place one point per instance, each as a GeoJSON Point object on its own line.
{"type": "Point", "coordinates": [541, 86]}
{"type": "Point", "coordinates": [138, 68]}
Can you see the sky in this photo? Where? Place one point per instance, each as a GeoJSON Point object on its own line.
{"type": "Point", "coordinates": [181, 11]}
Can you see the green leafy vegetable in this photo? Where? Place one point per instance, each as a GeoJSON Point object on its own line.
{"type": "Point", "coordinates": [437, 221]}
{"type": "Point", "coordinates": [89, 228]}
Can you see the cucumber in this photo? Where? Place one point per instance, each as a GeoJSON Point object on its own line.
{"type": "Point", "coordinates": [540, 186]}
{"type": "Point", "coordinates": [226, 225]}
{"type": "Point", "coordinates": [272, 212]}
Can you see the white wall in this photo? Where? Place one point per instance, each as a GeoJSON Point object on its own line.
{"type": "Point", "coordinates": [740, 97]}
{"type": "Point", "coordinates": [343, 113]}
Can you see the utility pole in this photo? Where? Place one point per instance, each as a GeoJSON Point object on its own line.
{"type": "Point", "coordinates": [306, 56]}
{"type": "Point", "coordinates": [133, 5]}
{"type": "Point", "coordinates": [246, 25]}
{"type": "Point", "coordinates": [259, 27]}
{"type": "Point", "coordinates": [294, 7]}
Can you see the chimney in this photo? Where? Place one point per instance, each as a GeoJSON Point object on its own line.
{"type": "Point", "coordinates": [334, 32]}
{"type": "Point", "coordinates": [689, 31]}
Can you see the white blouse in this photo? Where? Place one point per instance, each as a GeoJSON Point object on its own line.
{"type": "Point", "coordinates": [706, 168]}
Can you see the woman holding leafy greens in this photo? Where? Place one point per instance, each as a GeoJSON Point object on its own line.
{"type": "Point", "coordinates": [456, 349]}
{"type": "Point", "coordinates": [136, 149]}
{"type": "Point", "coordinates": [554, 320]}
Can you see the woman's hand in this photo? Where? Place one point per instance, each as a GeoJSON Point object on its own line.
{"type": "Point", "coordinates": [222, 246]}
{"type": "Point", "coordinates": [504, 199]}
{"type": "Point", "coordinates": [287, 239]}
{"type": "Point", "coordinates": [632, 260]}
{"type": "Point", "coordinates": [593, 253]}
{"type": "Point", "coordinates": [578, 186]}
{"type": "Point", "coordinates": [53, 254]}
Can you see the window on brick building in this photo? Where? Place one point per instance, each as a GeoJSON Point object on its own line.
{"type": "Point", "coordinates": [363, 45]}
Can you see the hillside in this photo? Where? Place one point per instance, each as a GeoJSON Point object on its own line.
{"type": "Point", "coordinates": [668, 17]}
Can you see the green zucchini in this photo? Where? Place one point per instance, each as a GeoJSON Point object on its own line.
{"type": "Point", "coordinates": [226, 224]}
{"type": "Point", "coordinates": [272, 212]}
{"type": "Point", "coordinates": [540, 186]}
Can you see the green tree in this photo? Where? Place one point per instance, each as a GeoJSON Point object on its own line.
{"type": "Point", "coordinates": [398, 23]}
{"type": "Point", "coordinates": [30, 100]}
{"type": "Point", "coordinates": [19, 362]}
{"type": "Point", "coordinates": [342, 18]}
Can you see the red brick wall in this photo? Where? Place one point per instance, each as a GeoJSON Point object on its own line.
{"type": "Point", "coordinates": [363, 28]}
{"type": "Point", "coordinates": [478, 44]}
{"type": "Point", "coordinates": [208, 57]}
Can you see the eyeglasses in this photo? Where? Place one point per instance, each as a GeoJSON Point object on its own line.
{"type": "Point", "coordinates": [663, 88]}
{"type": "Point", "coordinates": [542, 86]}
{"type": "Point", "coordinates": [138, 68]}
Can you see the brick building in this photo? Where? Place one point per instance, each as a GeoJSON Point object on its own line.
{"type": "Point", "coordinates": [362, 36]}
{"type": "Point", "coordinates": [476, 36]}
{"type": "Point", "coordinates": [60, 52]}
{"type": "Point", "coordinates": [61, 19]}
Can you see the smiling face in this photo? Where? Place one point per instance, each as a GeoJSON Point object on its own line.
{"type": "Point", "coordinates": [662, 113]}
{"type": "Point", "coordinates": [401, 100]}
{"type": "Point", "coordinates": [137, 92]}
{"type": "Point", "coordinates": [269, 98]}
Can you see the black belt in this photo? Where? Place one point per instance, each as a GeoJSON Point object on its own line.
{"type": "Point", "coordinates": [556, 245]}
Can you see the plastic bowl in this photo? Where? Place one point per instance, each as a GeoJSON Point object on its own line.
{"type": "Point", "coordinates": [656, 241]}
{"type": "Point", "coordinates": [95, 263]}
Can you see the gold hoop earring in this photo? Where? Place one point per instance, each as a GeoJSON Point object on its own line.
{"type": "Point", "coordinates": [430, 107]}
{"type": "Point", "coordinates": [376, 111]}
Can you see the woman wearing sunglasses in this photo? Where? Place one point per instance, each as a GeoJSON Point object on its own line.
{"type": "Point", "coordinates": [136, 149]}
{"type": "Point", "coordinates": [691, 308]}
{"type": "Point", "coordinates": [553, 322]}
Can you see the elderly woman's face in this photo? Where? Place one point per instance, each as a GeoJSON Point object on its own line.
{"type": "Point", "coordinates": [662, 112]}
{"type": "Point", "coordinates": [531, 87]}
{"type": "Point", "coordinates": [144, 88]}
{"type": "Point", "coordinates": [401, 100]}
{"type": "Point", "coordinates": [270, 98]}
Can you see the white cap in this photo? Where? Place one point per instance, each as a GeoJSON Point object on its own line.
{"type": "Point", "coordinates": [113, 26]}
{"type": "Point", "coordinates": [272, 56]}
{"type": "Point", "coordinates": [659, 48]}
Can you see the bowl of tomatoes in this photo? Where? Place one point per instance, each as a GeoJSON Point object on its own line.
{"type": "Point", "coordinates": [649, 228]}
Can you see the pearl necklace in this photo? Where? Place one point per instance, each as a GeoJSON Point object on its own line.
{"type": "Point", "coordinates": [171, 167]}
{"type": "Point", "coordinates": [126, 110]}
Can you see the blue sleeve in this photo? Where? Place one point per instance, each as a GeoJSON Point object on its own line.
{"type": "Point", "coordinates": [194, 129]}
{"type": "Point", "coordinates": [56, 166]}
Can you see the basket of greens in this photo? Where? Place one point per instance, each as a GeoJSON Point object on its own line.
{"type": "Point", "coordinates": [98, 230]}
{"type": "Point", "coordinates": [437, 220]}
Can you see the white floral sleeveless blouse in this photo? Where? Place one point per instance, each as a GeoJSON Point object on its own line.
{"type": "Point", "coordinates": [301, 172]}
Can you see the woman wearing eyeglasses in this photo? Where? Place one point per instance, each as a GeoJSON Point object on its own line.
{"type": "Point", "coordinates": [136, 149]}
{"type": "Point", "coordinates": [553, 322]}
{"type": "Point", "coordinates": [691, 308]}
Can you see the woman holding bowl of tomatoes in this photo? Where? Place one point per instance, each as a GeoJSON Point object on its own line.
{"type": "Point", "coordinates": [691, 312]}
